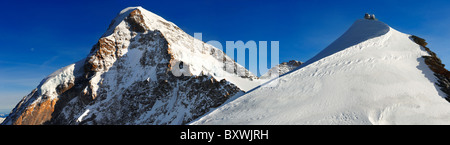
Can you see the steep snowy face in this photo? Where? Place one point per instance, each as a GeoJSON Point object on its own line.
{"type": "Point", "coordinates": [372, 74]}
{"type": "Point", "coordinates": [129, 77]}
{"type": "Point", "coordinates": [281, 69]}
{"type": "Point", "coordinates": [2, 117]}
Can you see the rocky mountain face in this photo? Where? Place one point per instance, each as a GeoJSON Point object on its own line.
{"type": "Point", "coordinates": [132, 76]}
{"type": "Point", "coordinates": [281, 69]}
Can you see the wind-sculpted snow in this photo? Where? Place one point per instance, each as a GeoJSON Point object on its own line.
{"type": "Point", "coordinates": [372, 74]}
{"type": "Point", "coordinates": [360, 31]}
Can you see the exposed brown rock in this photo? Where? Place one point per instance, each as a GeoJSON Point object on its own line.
{"type": "Point", "coordinates": [435, 64]}
{"type": "Point", "coordinates": [136, 21]}
{"type": "Point", "coordinates": [64, 87]}
{"type": "Point", "coordinates": [432, 61]}
{"type": "Point", "coordinates": [37, 113]}
{"type": "Point", "coordinates": [106, 48]}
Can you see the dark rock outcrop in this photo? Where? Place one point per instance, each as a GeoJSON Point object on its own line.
{"type": "Point", "coordinates": [435, 64]}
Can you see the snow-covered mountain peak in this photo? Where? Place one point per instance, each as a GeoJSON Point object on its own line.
{"type": "Point", "coordinates": [360, 31]}
{"type": "Point", "coordinates": [125, 12]}
{"type": "Point", "coordinates": [182, 46]}
{"type": "Point", "coordinates": [143, 66]}
{"type": "Point", "coordinates": [143, 16]}
{"type": "Point", "coordinates": [372, 74]}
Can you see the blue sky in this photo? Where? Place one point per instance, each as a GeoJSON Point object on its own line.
{"type": "Point", "coordinates": [39, 37]}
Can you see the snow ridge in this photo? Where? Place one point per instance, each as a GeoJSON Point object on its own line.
{"type": "Point", "coordinates": [379, 80]}
{"type": "Point", "coordinates": [360, 31]}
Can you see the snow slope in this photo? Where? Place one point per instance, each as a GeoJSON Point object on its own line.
{"type": "Point", "coordinates": [2, 117]}
{"type": "Point", "coordinates": [372, 74]}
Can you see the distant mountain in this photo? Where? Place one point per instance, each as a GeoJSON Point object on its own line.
{"type": "Point", "coordinates": [372, 74]}
{"type": "Point", "coordinates": [128, 78]}
{"type": "Point", "coordinates": [281, 69]}
{"type": "Point", "coordinates": [2, 117]}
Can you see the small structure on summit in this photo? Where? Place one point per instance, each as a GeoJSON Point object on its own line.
{"type": "Point", "coordinates": [370, 17]}
{"type": "Point", "coordinates": [366, 16]}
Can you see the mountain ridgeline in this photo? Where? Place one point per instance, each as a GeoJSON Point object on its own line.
{"type": "Point", "coordinates": [372, 74]}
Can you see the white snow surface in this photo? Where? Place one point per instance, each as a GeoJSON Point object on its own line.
{"type": "Point", "coordinates": [63, 76]}
{"type": "Point", "coordinates": [372, 74]}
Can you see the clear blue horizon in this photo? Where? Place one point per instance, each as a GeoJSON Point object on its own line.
{"type": "Point", "coordinates": [39, 37]}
